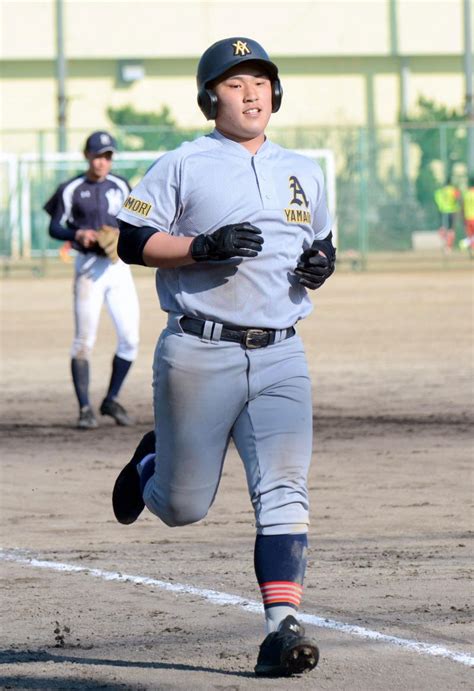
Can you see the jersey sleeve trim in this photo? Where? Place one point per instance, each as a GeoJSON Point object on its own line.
{"type": "Point", "coordinates": [67, 196]}
{"type": "Point", "coordinates": [132, 240]}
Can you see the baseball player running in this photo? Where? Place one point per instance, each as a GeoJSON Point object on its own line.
{"type": "Point", "coordinates": [238, 229]}
{"type": "Point", "coordinates": [83, 210]}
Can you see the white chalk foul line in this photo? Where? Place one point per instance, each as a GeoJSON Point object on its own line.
{"type": "Point", "coordinates": [219, 598]}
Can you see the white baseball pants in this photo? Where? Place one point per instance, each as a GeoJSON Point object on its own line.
{"type": "Point", "coordinates": [98, 280]}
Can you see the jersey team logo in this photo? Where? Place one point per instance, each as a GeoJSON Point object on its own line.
{"type": "Point", "coordinates": [241, 48]}
{"type": "Point", "coordinates": [114, 201]}
{"type": "Point", "coordinates": [299, 198]}
{"type": "Point", "coordinates": [137, 206]}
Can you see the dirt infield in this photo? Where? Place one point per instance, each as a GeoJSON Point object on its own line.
{"type": "Point", "coordinates": [391, 359]}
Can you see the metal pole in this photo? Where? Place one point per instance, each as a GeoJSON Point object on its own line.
{"type": "Point", "coordinates": [405, 138]}
{"type": "Point", "coordinates": [61, 77]}
{"type": "Point", "coordinates": [443, 153]}
{"type": "Point", "coordinates": [42, 195]}
{"type": "Point", "coordinates": [363, 200]}
{"type": "Point", "coordinates": [469, 107]}
{"type": "Point", "coordinates": [393, 27]}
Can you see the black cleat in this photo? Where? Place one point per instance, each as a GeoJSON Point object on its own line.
{"type": "Point", "coordinates": [127, 500]}
{"type": "Point", "coordinates": [117, 411]}
{"type": "Point", "coordinates": [87, 418]}
{"type": "Point", "coordinates": [286, 651]}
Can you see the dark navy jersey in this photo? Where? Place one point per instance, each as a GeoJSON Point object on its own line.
{"type": "Point", "coordinates": [80, 204]}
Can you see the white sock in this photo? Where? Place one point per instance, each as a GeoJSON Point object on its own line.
{"type": "Point", "coordinates": [275, 615]}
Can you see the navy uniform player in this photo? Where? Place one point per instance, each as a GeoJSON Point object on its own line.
{"type": "Point", "coordinates": [78, 209]}
{"type": "Point", "coordinates": [238, 229]}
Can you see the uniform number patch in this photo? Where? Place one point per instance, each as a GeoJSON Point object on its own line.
{"type": "Point", "coordinates": [137, 206]}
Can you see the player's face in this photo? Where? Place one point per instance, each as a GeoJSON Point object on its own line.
{"type": "Point", "coordinates": [99, 165]}
{"type": "Point", "coordinates": [244, 105]}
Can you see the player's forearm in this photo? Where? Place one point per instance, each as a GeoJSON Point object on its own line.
{"type": "Point", "coordinates": [59, 232]}
{"type": "Point", "coordinates": [164, 251]}
{"type": "Point", "coordinates": [146, 246]}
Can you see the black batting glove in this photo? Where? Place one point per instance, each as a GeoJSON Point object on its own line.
{"type": "Point", "coordinates": [313, 269]}
{"type": "Point", "coordinates": [235, 240]}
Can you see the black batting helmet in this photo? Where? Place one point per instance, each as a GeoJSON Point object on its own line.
{"type": "Point", "coordinates": [223, 55]}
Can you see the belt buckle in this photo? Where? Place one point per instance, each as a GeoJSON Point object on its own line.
{"type": "Point", "coordinates": [254, 337]}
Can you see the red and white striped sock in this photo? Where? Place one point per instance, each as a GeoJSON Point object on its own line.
{"type": "Point", "coordinates": [280, 598]}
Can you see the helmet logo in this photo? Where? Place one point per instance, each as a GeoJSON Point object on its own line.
{"type": "Point", "coordinates": [241, 48]}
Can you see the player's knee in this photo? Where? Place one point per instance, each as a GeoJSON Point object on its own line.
{"type": "Point", "coordinates": [81, 350]}
{"type": "Point", "coordinates": [179, 512]}
{"type": "Point", "coordinates": [175, 508]}
{"type": "Point", "coordinates": [128, 349]}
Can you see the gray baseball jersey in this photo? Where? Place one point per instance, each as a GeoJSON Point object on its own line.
{"type": "Point", "coordinates": [211, 182]}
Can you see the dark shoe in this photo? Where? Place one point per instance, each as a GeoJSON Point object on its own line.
{"type": "Point", "coordinates": [127, 500]}
{"type": "Point", "coordinates": [87, 418]}
{"type": "Point", "coordinates": [117, 411]}
{"type": "Point", "coordinates": [286, 651]}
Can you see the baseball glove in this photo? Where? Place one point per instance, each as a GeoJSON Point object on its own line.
{"type": "Point", "coordinates": [107, 239]}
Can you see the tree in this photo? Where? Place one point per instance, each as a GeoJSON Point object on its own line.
{"type": "Point", "coordinates": [149, 131]}
{"type": "Point", "coordinates": [444, 144]}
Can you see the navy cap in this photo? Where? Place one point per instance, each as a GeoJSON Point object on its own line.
{"type": "Point", "coordinates": [100, 142]}
{"type": "Point", "coordinates": [223, 55]}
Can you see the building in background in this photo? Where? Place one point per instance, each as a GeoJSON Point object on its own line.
{"type": "Point", "coordinates": [351, 71]}
{"type": "Point", "coordinates": [343, 62]}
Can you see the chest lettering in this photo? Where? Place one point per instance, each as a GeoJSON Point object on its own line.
{"type": "Point", "coordinates": [299, 198]}
{"type": "Point", "coordinates": [298, 216]}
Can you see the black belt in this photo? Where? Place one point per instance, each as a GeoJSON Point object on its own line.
{"type": "Point", "coordinates": [249, 338]}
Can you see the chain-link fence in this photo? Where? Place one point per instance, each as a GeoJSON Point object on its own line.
{"type": "Point", "coordinates": [385, 178]}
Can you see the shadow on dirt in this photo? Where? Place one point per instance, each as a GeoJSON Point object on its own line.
{"type": "Point", "coordinates": [47, 682]}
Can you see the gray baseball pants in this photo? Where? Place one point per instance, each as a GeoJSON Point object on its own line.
{"type": "Point", "coordinates": [207, 391]}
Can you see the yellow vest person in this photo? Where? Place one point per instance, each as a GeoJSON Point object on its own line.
{"type": "Point", "coordinates": [468, 213]}
{"type": "Point", "coordinates": [468, 203]}
{"type": "Point", "coordinates": [448, 201]}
